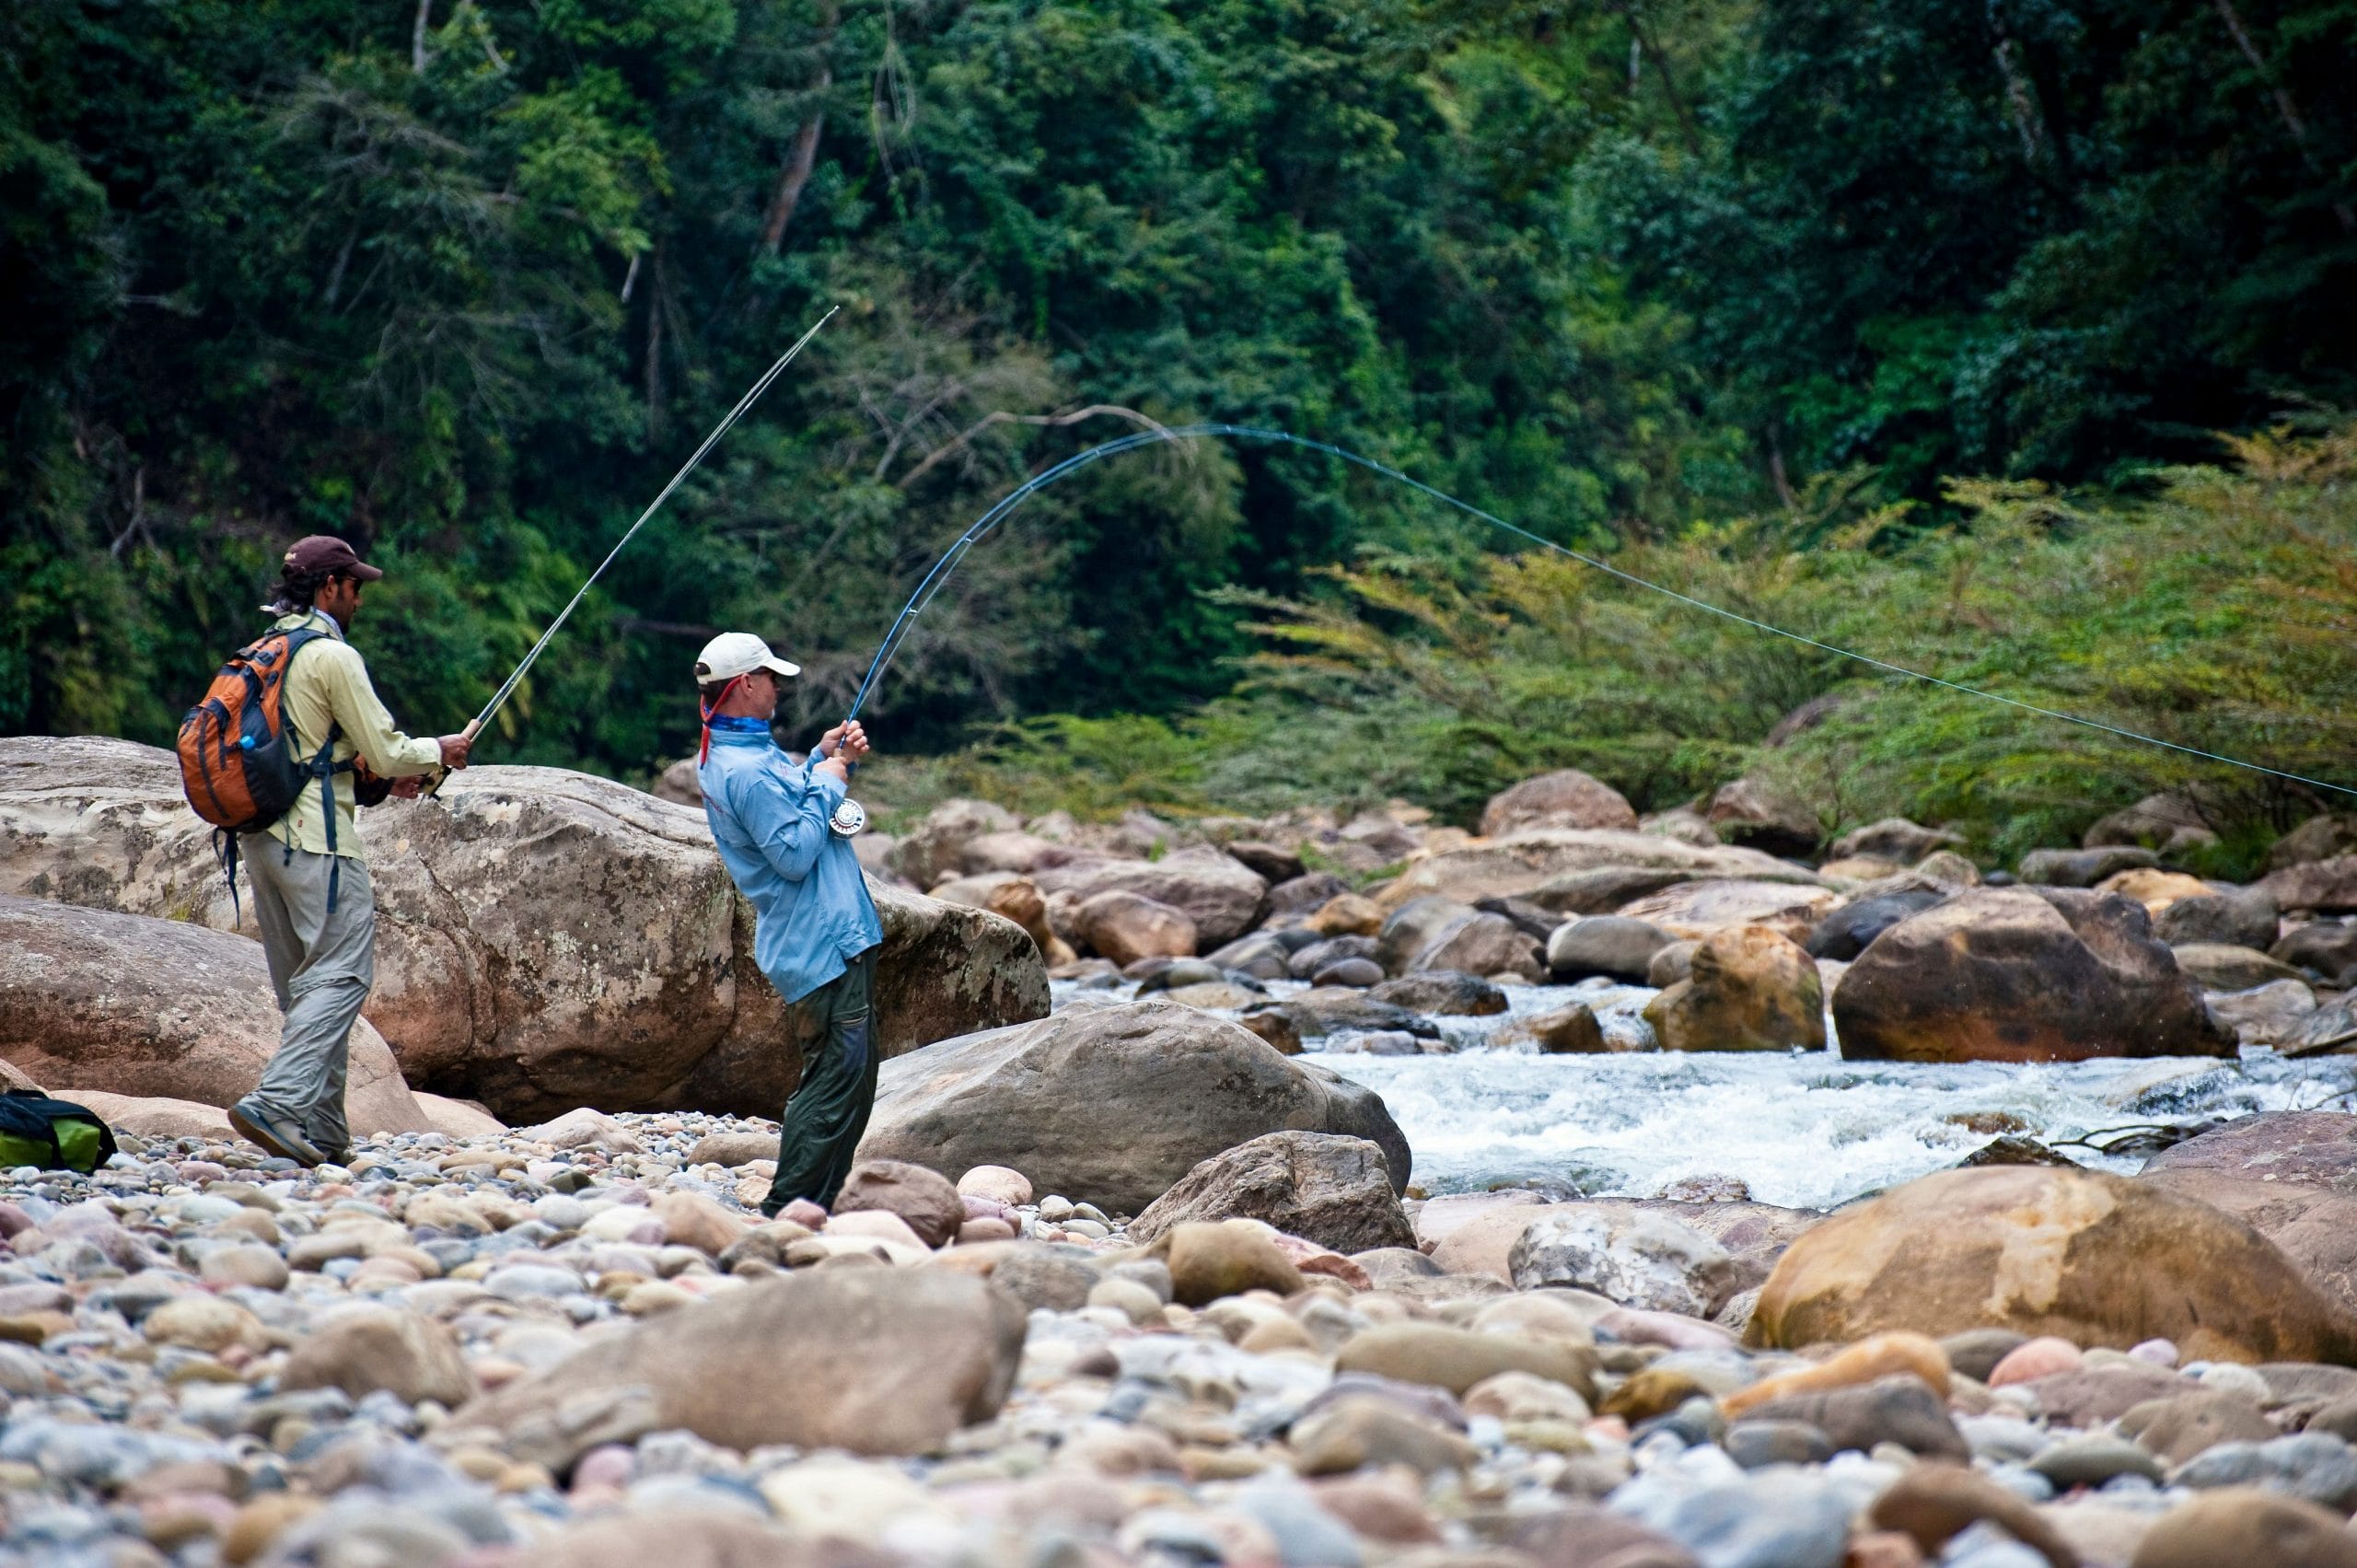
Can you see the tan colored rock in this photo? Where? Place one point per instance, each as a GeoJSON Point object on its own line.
{"type": "Point", "coordinates": [1117, 1102]}
{"type": "Point", "coordinates": [1456, 1359]}
{"type": "Point", "coordinates": [154, 1009]}
{"type": "Point", "coordinates": [1746, 989]}
{"type": "Point", "coordinates": [2003, 974]}
{"type": "Point", "coordinates": [1019, 901]}
{"type": "Point", "coordinates": [1209, 1261]}
{"type": "Point", "coordinates": [156, 1117]}
{"type": "Point", "coordinates": [2094, 1259]}
{"type": "Point", "coordinates": [1884, 1355]}
{"type": "Point", "coordinates": [1758, 815]}
{"type": "Point", "coordinates": [1125, 927]}
{"type": "Point", "coordinates": [460, 1118]}
{"type": "Point", "coordinates": [1520, 863]}
{"type": "Point", "coordinates": [1347, 914]}
{"type": "Point", "coordinates": [884, 1361]}
{"type": "Point", "coordinates": [1699, 910]}
{"type": "Point", "coordinates": [923, 1199]}
{"type": "Point", "coordinates": [2241, 1526]}
{"type": "Point", "coordinates": [2154, 889]}
{"type": "Point", "coordinates": [204, 1322]}
{"type": "Point", "coordinates": [2291, 1176]}
{"type": "Point", "coordinates": [690, 1219]}
{"type": "Point", "coordinates": [1568, 799]}
{"type": "Point", "coordinates": [361, 1350]}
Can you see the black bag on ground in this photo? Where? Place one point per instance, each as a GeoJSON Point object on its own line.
{"type": "Point", "coordinates": [56, 1134]}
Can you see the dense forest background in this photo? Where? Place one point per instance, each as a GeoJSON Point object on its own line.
{"type": "Point", "coordinates": [1901, 320]}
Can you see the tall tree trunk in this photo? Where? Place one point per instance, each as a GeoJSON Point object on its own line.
{"type": "Point", "coordinates": [1644, 40]}
{"type": "Point", "coordinates": [655, 348]}
{"type": "Point", "coordinates": [2285, 108]}
{"type": "Point", "coordinates": [417, 36]}
{"type": "Point", "coordinates": [803, 157]}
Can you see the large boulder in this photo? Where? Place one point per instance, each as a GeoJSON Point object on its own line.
{"type": "Point", "coordinates": [2327, 948]}
{"type": "Point", "coordinates": [1520, 864]}
{"type": "Point", "coordinates": [2082, 867]}
{"type": "Point", "coordinates": [2157, 822]}
{"type": "Point", "coordinates": [2238, 917]}
{"type": "Point", "coordinates": [2325, 837]}
{"type": "Point", "coordinates": [1566, 799]}
{"type": "Point", "coordinates": [2094, 1259]}
{"type": "Point", "coordinates": [1605, 944]}
{"type": "Point", "coordinates": [2319, 887]}
{"type": "Point", "coordinates": [1694, 909]}
{"type": "Point", "coordinates": [1435, 935]}
{"type": "Point", "coordinates": [876, 1360]}
{"type": "Point", "coordinates": [1747, 989]}
{"type": "Point", "coordinates": [1639, 1258]}
{"type": "Point", "coordinates": [1112, 1104]}
{"type": "Point", "coordinates": [1222, 895]}
{"type": "Point", "coordinates": [160, 1009]}
{"type": "Point", "coordinates": [1851, 929]}
{"type": "Point", "coordinates": [544, 939]}
{"type": "Point", "coordinates": [2290, 1175]}
{"type": "Point", "coordinates": [1326, 1188]}
{"type": "Point", "coordinates": [2003, 974]}
{"type": "Point", "coordinates": [1126, 927]}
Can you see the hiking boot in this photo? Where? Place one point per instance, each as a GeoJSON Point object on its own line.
{"type": "Point", "coordinates": [273, 1136]}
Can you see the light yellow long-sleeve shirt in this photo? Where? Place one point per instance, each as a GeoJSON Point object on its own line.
{"type": "Point", "coordinates": [327, 687]}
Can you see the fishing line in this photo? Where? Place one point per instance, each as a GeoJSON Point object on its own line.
{"type": "Point", "coordinates": [932, 581]}
{"type": "Point", "coordinates": [678, 479]}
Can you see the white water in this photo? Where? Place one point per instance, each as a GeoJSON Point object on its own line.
{"type": "Point", "coordinates": [1803, 1129]}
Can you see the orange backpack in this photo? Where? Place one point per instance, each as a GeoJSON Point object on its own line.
{"type": "Point", "coordinates": [238, 761]}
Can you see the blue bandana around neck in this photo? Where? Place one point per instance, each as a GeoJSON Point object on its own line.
{"type": "Point", "coordinates": [743, 723]}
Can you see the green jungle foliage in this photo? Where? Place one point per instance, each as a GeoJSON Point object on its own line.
{"type": "Point", "coordinates": [464, 280]}
{"type": "Point", "coordinates": [2220, 614]}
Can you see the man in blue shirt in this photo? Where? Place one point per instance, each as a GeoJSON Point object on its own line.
{"type": "Point", "coordinates": [814, 932]}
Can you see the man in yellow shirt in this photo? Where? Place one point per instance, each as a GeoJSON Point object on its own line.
{"type": "Point", "coordinates": [312, 897]}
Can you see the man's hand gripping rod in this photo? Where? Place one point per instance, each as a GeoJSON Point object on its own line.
{"type": "Point", "coordinates": [508, 688]}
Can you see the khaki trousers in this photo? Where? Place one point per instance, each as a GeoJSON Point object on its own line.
{"type": "Point", "coordinates": [321, 965]}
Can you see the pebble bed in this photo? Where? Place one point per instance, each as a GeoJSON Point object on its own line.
{"type": "Point", "coordinates": [148, 1310]}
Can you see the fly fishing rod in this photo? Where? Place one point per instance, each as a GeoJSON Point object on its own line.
{"type": "Point", "coordinates": [508, 688]}
{"type": "Point", "coordinates": [932, 583]}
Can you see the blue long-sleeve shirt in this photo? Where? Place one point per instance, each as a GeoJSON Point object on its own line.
{"type": "Point", "coordinates": [812, 915]}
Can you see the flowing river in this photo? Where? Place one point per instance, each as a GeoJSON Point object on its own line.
{"type": "Point", "coordinates": [1804, 1129]}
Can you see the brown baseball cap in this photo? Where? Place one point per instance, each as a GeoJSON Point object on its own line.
{"type": "Point", "coordinates": [325, 553]}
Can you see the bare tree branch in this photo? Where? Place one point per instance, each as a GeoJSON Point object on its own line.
{"type": "Point", "coordinates": [804, 154]}
{"type": "Point", "coordinates": [2285, 106]}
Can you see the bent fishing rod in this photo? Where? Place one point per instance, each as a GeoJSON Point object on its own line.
{"type": "Point", "coordinates": [508, 688]}
{"type": "Point", "coordinates": [932, 583]}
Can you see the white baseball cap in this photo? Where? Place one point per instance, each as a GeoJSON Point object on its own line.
{"type": "Point", "coordinates": [739, 653]}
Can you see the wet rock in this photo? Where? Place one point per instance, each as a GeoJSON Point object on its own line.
{"type": "Point", "coordinates": [1746, 989]}
{"type": "Point", "coordinates": [2247, 1528]}
{"type": "Point", "coordinates": [160, 1009]}
{"type": "Point", "coordinates": [1636, 1258]}
{"type": "Point", "coordinates": [361, 1350]}
{"type": "Point", "coordinates": [2090, 1258]}
{"type": "Point", "coordinates": [1335, 1010]}
{"type": "Point", "coordinates": [885, 1362]}
{"type": "Point", "coordinates": [1326, 1188]}
{"type": "Point", "coordinates": [1456, 1359]}
{"type": "Point", "coordinates": [2005, 975]}
{"type": "Point", "coordinates": [1275, 1025]}
{"type": "Point", "coordinates": [1126, 927]}
{"type": "Point", "coordinates": [1903, 1409]}
{"type": "Point", "coordinates": [1846, 932]}
{"type": "Point", "coordinates": [1446, 993]}
{"type": "Point", "coordinates": [1306, 961]}
{"type": "Point", "coordinates": [923, 1199]}
{"type": "Point", "coordinates": [1605, 944]}
{"type": "Point", "coordinates": [1568, 799]}
{"type": "Point", "coordinates": [1569, 1030]}
{"type": "Point", "coordinates": [2082, 869]}
{"type": "Point", "coordinates": [1119, 1102]}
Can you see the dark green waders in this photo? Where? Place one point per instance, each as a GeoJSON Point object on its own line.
{"type": "Point", "coordinates": [827, 1114]}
